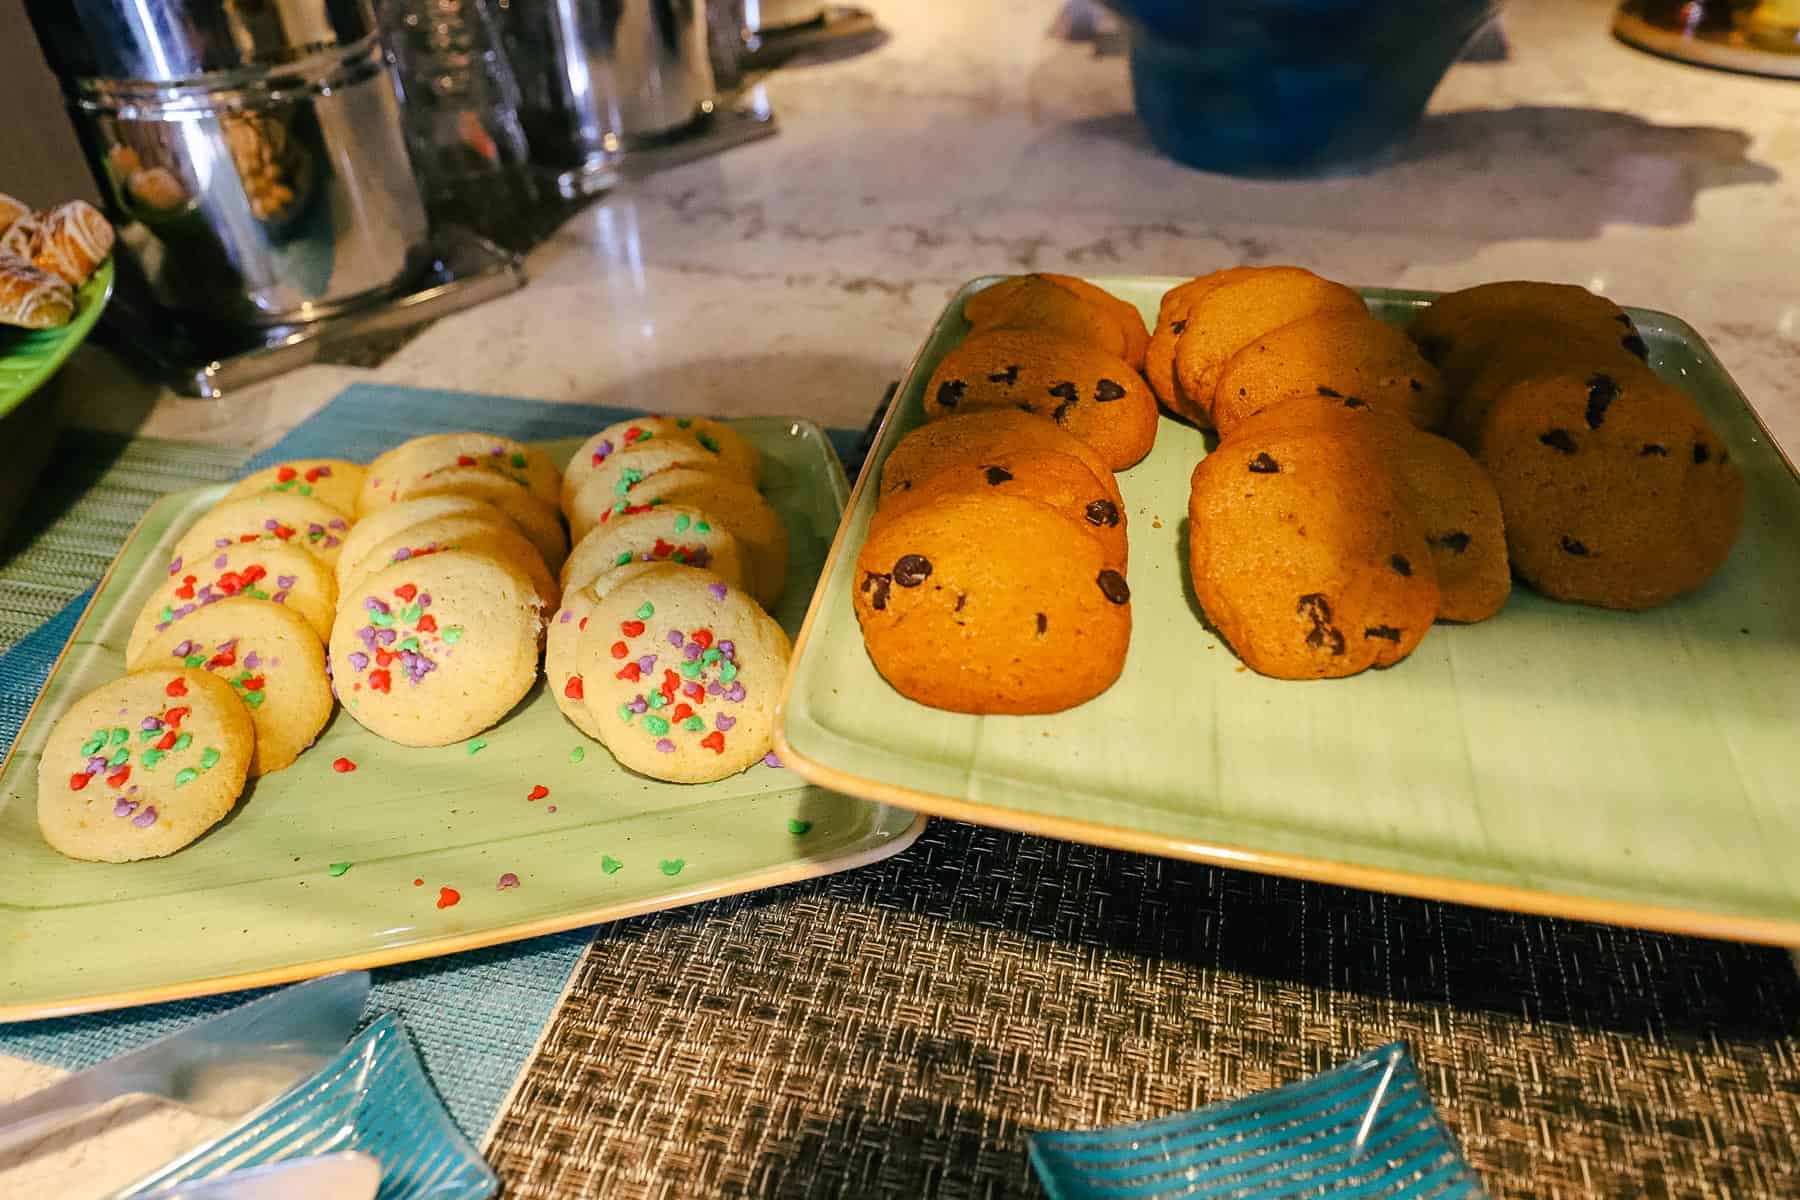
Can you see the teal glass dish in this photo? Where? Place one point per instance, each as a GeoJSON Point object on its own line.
{"type": "Point", "coordinates": [1290, 87]}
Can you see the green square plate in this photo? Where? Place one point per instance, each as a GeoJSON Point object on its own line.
{"type": "Point", "coordinates": [1637, 769]}
{"type": "Point", "coordinates": [30, 356]}
{"type": "Point", "coordinates": [256, 902]}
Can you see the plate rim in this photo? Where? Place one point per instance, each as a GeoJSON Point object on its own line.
{"type": "Point", "coordinates": [1539, 901]}
{"type": "Point", "coordinates": [866, 851]}
{"type": "Point", "coordinates": [69, 337]}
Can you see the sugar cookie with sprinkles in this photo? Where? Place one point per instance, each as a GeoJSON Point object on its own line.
{"type": "Point", "coordinates": [384, 523]}
{"type": "Point", "coordinates": [333, 481]}
{"type": "Point", "coordinates": [273, 661]}
{"type": "Point", "coordinates": [273, 571]}
{"type": "Point", "coordinates": [434, 651]}
{"type": "Point", "coordinates": [755, 525]}
{"type": "Point", "coordinates": [140, 767]}
{"type": "Point", "coordinates": [681, 672]}
{"type": "Point", "coordinates": [728, 448]}
{"type": "Point", "coordinates": [677, 533]}
{"type": "Point", "coordinates": [536, 520]}
{"type": "Point", "coordinates": [608, 488]}
{"type": "Point", "coordinates": [563, 672]}
{"type": "Point", "coordinates": [269, 517]}
{"type": "Point", "coordinates": [477, 533]}
{"type": "Point", "coordinates": [404, 470]}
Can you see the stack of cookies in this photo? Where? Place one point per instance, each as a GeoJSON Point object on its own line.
{"type": "Point", "coordinates": [1331, 527]}
{"type": "Point", "coordinates": [993, 579]}
{"type": "Point", "coordinates": [227, 677]}
{"type": "Point", "coordinates": [661, 647]}
{"type": "Point", "coordinates": [1617, 492]}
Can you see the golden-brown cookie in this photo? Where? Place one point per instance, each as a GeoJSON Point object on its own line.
{"type": "Point", "coordinates": [1226, 318]}
{"type": "Point", "coordinates": [986, 603]}
{"type": "Point", "coordinates": [1617, 492]}
{"type": "Point", "coordinates": [1091, 394]}
{"type": "Point", "coordinates": [1062, 482]}
{"type": "Point", "coordinates": [1304, 553]}
{"type": "Point", "coordinates": [1458, 331]}
{"type": "Point", "coordinates": [940, 444]}
{"type": "Point", "coordinates": [1335, 354]}
{"type": "Point", "coordinates": [1171, 323]}
{"type": "Point", "coordinates": [1038, 303]}
{"type": "Point", "coordinates": [1130, 320]}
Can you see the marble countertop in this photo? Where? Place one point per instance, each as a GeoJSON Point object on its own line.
{"type": "Point", "coordinates": [798, 274]}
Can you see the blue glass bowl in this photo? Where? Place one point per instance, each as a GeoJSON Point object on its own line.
{"type": "Point", "coordinates": [1290, 87]}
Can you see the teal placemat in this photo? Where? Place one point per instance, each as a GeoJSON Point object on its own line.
{"type": "Point", "coordinates": [474, 1016]}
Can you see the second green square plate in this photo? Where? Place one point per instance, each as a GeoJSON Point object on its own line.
{"type": "Point", "coordinates": [1639, 769]}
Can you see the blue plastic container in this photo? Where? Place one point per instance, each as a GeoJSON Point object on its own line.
{"type": "Point", "coordinates": [1290, 87]}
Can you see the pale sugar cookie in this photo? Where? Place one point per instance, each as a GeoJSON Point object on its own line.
{"type": "Point", "coordinates": [677, 533]}
{"type": "Point", "coordinates": [401, 471]}
{"type": "Point", "coordinates": [269, 517]}
{"type": "Point", "coordinates": [332, 481]}
{"type": "Point", "coordinates": [477, 533]}
{"type": "Point", "coordinates": [384, 523]}
{"type": "Point", "coordinates": [725, 445]}
{"type": "Point", "coordinates": [271, 571]}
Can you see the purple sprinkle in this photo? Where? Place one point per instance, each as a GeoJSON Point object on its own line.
{"type": "Point", "coordinates": [769, 760]}
{"type": "Point", "coordinates": [221, 543]}
{"type": "Point", "coordinates": [284, 582]}
{"type": "Point", "coordinates": [402, 554]}
{"type": "Point", "coordinates": [96, 764]}
{"type": "Point", "coordinates": [183, 648]}
{"type": "Point", "coordinates": [723, 723]}
{"type": "Point", "coordinates": [145, 819]}
{"type": "Point", "coordinates": [331, 541]}
{"type": "Point", "coordinates": [702, 556]}
{"type": "Point", "coordinates": [691, 651]}
{"type": "Point", "coordinates": [567, 615]}
{"type": "Point", "coordinates": [271, 524]}
{"type": "Point", "coordinates": [647, 663]}
{"type": "Point", "coordinates": [321, 472]}
{"type": "Point", "coordinates": [337, 523]}
{"type": "Point", "coordinates": [274, 662]}
{"type": "Point", "coordinates": [123, 807]}
{"type": "Point", "coordinates": [715, 688]}
{"type": "Point", "coordinates": [639, 705]}
{"type": "Point", "coordinates": [358, 660]}
{"type": "Point", "coordinates": [424, 599]}
{"type": "Point", "coordinates": [220, 562]}
{"type": "Point", "coordinates": [675, 638]}
{"type": "Point", "coordinates": [386, 636]}
{"type": "Point", "coordinates": [227, 644]}
{"type": "Point", "coordinates": [735, 693]}
{"type": "Point", "coordinates": [252, 661]}
{"type": "Point", "coordinates": [728, 647]}
{"type": "Point", "coordinates": [665, 746]}
{"type": "Point", "coordinates": [367, 634]}
{"type": "Point", "coordinates": [314, 529]}
{"type": "Point", "coordinates": [150, 723]}
{"type": "Point", "coordinates": [378, 605]}
{"type": "Point", "coordinates": [552, 808]}
{"type": "Point", "coordinates": [604, 448]}
{"type": "Point", "coordinates": [161, 626]}
{"type": "Point", "coordinates": [175, 566]}
{"type": "Point", "coordinates": [279, 597]}
{"type": "Point", "coordinates": [184, 610]}
{"type": "Point", "coordinates": [497, 451]}
{"type": "Point", "coordinates": [717, 590]}
{"type": "Point", "coordinates": [206, 593]}
{"type": "Point", "coordinates": [508, 880]}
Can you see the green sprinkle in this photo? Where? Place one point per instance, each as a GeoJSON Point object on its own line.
{"type": "Point", "coordinates": [633, 475]}
{"type": "Point", "coordinates": [702, 527]}
{"type": "Point", "coordinates": [209, 758]}
{"type": "Point", "coordinates": [711, 656]}
{"type": "Point", "coordinates": [682, 522]}
{"type": "Point", "coordinates": [684, 422]}
{"type": "Point", "coordinates": [242, 679]}
{"type": "Point", "coordinates": [609, 864]}
{"type": "Point", "coordinates": [194, 660]}
{"type": "Point", "coordinates": [693, 724]}
{"type": "Point", "coordinates": [256, 593]}
{"type": "Point", "coordinates": [411, 614]}
{"type": "Point", "coordinates": [656, 700]}
{"type": "Point", "coordinates": [577, 754]}
{"type": "Point", "coordinates": [707, 441]}
{"type": "Point", "coordinates": [411, 643]}
{"type": "Point", "coordinates": [656, 725]}
{"type": "Point", "coordinates": [306, 489]}
{"type": "Point", "coordinates": [183, 741]}
{"type": "Point", "coordinates": [645, 611]}
{"type": "Point", "coordinates": [728, 672]}
{"type": "Point", "coordinates": [337, 869]}
{"type": "Point", "coordinates": [690, 670]}
{"type": "Point", "coordinates": [254, 699]}
{"type": "Point", "coordinates": [380, 619]}
{"type": "Point", "coordinates": [626, 713]}
{"type": "Point", "coordinates": [476, 745]}
{"type": "Point", "coordinates": [624, 557]}
{"type": "Point", "coordinates": [797, 827]}
{"type": "Point", "coordinates": [186, 776]}
{"type": "Point", "coordinates": [518, 460]}
{"type": "Point", "coordinates": [119, 736]}
{"type": "Point", "coordinates": [671, 866]}
{"type": "Point", "coordinates": [166, 615]}
{"type": "Point", "coordinates": [679, 556]}
{"type": "Point", "coordinates": [144, 735]}
{"type": "Point", "coordinates": [620, 507]}
{"type": "Point", "coordinates": [452, 634]}
{"type": "Point", "coordinates": [119, 758]}
{"type": "Point", "coordinates": [93, 744]}
{"type": "Point", "coordinates": [151, 758]}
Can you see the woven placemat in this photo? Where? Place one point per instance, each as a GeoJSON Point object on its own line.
{"type": "Point", "coordinates": [899, 1030]}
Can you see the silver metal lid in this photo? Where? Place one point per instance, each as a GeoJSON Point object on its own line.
{"type": "Point", "coordinates": [177, 40]}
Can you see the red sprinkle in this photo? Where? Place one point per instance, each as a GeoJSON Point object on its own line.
{"type": "Point", "coordinates": [620, 650]}
{"type": "Point", "coordinates": [230, 582]}
{"type": "Point", "coordinates": [380, 680]}
{"type": "Point", "coordinates": [254, 572]}
{"type": "Point", "coordinates": [572, 688]}
{"type": "Point", "coordinates": [177, 687]}
{"type": "Point", "coordinates": [662, 549]}
{"type": "Point", "coordinates": [383, 657]}
{"type": "Point", "coordinates": [538, 792]}
{"type": "Point", "coordinates": [254, 683]}
{"type": "Point", "coordinates": [714, 741]}
{"type": "Point", "coordinates": [448, 896]}
{"type": "Point", "coordinates": [342, 766]}
{"type": "Point", "coordinates": [244, 538]}
{"type": "Point", "coordinates": [407, 591]}
{"type": "Point", "coordinates": [186, 590]}
{"type": "Point", "coordinates": [630, 671]}
{"type": "Point", "coordinates": [703, 638]}
{"type": "Point", "coordinates": [427, 624]}
{"type": "Point", "coordinates": [118, 778]}
{"type": "Point", "coordinates": [77, 782]}
{"type": "Point", "coordinates": [682, 712]}
{"type": "Point", "coordinates": [582, 627]}
{"type": "Point", "coordinates": [633, 434]}
{"type": "Point", "coordinates": [312, 474]}
{"type": "Point", "coordinates": [166, 741]}
{"type": "Point", "coordinates": [175, 716]}
{"type": "Point", "coordinates": [223, 658]}
{"type": "Point", "coordinates": [283, 532]}
{"type": "Point", "coordinates": [465, 460]}
{"type": "Point", "coordinates": [285, 474]}
{"type": "Point", "coordinates": [695, 692]}
{"type": "Point", "coordinates": [631, 628]}
{"type": "Point", "coordinates": [418, 883]}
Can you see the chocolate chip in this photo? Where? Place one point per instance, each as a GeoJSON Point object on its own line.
{"type": "Point", "coordinates": [1651, 448]}
{"type": "Point", "coordinates": [1331, 393]}
{"type": "Point", "coordinates": [1635, 344]}
{"type": "Point", "coordinates": [1323, 635]}
{"type": "Point", "coordinates": [1455, 542]}
{"type": "Point", "coordinates": [1106, 390]}
{"type": "Point", "coordinates": [997, 476]}
{"type": "Point", "coordinates": [1178, 327]}
{"type": "Point", "coordinates": [1102, 512]}
{"type": "Point", "coordinates": [950, 392]}
{"type": "Point", "coordinates": [879, 584]}
{"type": "Point", "coordinates": [1432, 349]}
{"type": "Point", "coordinates": [906, 485]}
{"type": "Point", "coordinates": [1571, 546]}
{"type": "Point", "coordinates": [1701, 453]}
{"type": "Point", "coordinates": [1043, 623]}
{"type": "Point", "coordinates": [1400, 565]}
{"type": "Point", "coordinates": [1025, 407]}
{"type": "Point", "coordinates": [1355, 402]}
{"type": "Point", "coordinates": [1385, 632]}
{"type": "Point", "coordinates": [1113, 586]}
{"type": "Point", "coordinates": [1415, 385]}
{"type": "Point", "coordinates": [1558, 439]}
{"type": "Point", "coordinates": [1065, 392]}
{"type": "Point", "coordinates": [1262, 464]}
{"type": "Point", "coordinates": [1009, 376]}
{"type": "Point", "coordinates": [961, 598]}
{"type": "Point", "coordinates": [1602, 391]}
{"type": "Point", "coordinates": [912, 570]}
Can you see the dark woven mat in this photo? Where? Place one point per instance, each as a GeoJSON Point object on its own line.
{"type": "Point", "coordinates": [898, 1030]}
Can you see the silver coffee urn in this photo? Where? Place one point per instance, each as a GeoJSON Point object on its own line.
{"type": "Point", "coordinates": [252, 151]}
